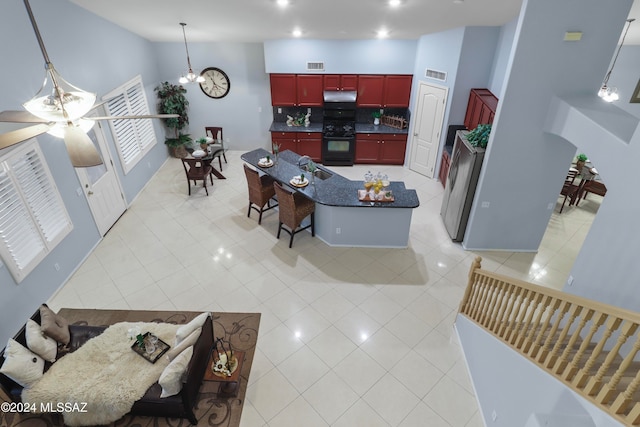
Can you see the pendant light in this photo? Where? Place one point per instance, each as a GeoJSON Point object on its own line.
{"type": "Point", "coordinates": [607, 93]}
{"type": "Point", "coordinates": [190, 77]}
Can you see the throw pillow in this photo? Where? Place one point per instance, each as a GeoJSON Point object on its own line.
{"type": "Point", "coordinates": [171, 378]}
{"type": "Point", "coordinates": [39, 343]}
{"type": "Point", "coordinates": [54, 325]}
{"type": "Point", "coordinates": [185, 330]}
{"type": "Point", "coordinates": [20, 364]}
{"type": "Point", "coordinates": [187, 342]}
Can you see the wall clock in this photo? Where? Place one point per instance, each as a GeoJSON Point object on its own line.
{"type": "Point", "coordinates": [216, 83]}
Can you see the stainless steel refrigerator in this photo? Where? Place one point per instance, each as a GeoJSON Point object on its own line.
{"type": "Point", "coordinates": [460, 187]}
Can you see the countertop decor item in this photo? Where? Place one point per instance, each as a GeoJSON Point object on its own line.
{"type": "Point", "coordinates": [479, 137]}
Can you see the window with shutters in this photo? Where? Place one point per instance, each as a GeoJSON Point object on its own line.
{"type": "Point", "coordinates": [134, 137]}
{"type": "Point", "coordinates": [33, 218]}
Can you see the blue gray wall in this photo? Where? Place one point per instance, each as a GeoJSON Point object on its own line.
{"type": "Point", "coordinates": [84, 54]}
{"type": "Point", "coordinates": [245, 113]}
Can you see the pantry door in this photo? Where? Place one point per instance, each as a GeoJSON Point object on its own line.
{"type": "Point", "coordinates": [427, 128]}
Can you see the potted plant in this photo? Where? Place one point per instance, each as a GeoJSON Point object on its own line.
{"type": "Point", "coordinates": [479, 137]}
{"type": "Point", "coordinates": [376, 117]}
{"type": "Point", "coordinates": [580, 161]}
{"type": "Point", "coordinates": [203, 143]}
{"type": "Point", "coordinates": [171, 100]}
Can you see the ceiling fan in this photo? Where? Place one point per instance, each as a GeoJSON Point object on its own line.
{"type": "Point", "coordinates": [59, 108]}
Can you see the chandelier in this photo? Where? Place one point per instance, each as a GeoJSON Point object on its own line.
{"type": "Point", "coordinates": [190, 77]}
{"type": "Point", "coordinates": [607, 93]}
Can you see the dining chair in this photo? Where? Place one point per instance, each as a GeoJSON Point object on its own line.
{"type": "Point", "coordinates": [569, 189]}
{"type": "Point", "coordinates": [197, 169]}
{"type": "Point", "coordinates": [294, 207]}
{"type": "Point", "coordinates": [592, 186]}
{"type": "Point", "coordinates": [261, 192]}
{"type": "Point", "coordinates": [215, 133]}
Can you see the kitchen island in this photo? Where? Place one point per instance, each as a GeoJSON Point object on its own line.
{"type": "Point", "coordinates": [341, 219]}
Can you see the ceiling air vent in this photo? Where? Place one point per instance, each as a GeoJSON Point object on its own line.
{"type": "Point", "coordinates": [315, 66]}
{"type": "Point", "coordinates": [437, 75]}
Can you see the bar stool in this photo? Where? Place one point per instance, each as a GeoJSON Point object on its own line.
{"type": "Point", "coordinates": [261, 192]}
{"type": "Point", "coordinates": [294, 207]}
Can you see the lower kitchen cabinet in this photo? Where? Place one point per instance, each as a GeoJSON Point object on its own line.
{"type": "Point", "coordinates": [303, 143]}
{"type": "Point", "coordinates": [380, 148]}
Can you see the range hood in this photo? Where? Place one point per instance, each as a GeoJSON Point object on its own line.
{"type": "Point", "coordinates": [340, 95]}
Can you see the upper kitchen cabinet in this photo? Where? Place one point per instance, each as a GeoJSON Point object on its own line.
{"type": "Point", "coordinates": [384, 91]}
{"type": "Point", "coordinates": [304, 90]}
{"type": "Point", "coordinates": [283, 90]}
{"type": "Point", "coordinates": [481, 108]}
{"type": "Point", "coordinates": [397, 91]}
{"type": "Point", "coordinates": [370, 91]}
{"type": "Point", "coordinates": [341, 82]}
{"type": "Point", "coordinates": [309, 90]}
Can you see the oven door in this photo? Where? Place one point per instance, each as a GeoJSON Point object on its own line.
{"type": "Point", "coordinates": [338, 151]}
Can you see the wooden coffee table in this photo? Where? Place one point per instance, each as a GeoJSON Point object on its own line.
{"type": "Point", "coordinates": [229, 386]}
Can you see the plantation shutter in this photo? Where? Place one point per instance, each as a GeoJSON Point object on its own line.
{"type": "Point", "coordinates": [33, 219]}
{"type": "Point", "coordinates": [134, 137]}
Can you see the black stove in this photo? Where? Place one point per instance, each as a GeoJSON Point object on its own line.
{"type": "Point", "coordinates": [339, 128]}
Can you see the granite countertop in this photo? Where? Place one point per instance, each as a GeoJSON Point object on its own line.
{"type": "Point", "coordinates": [317, 127]}
{"type": "Point", "coordinates": [333, 191]}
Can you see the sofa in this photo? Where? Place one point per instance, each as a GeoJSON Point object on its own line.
{"type": "Point", "coordinates": [180, 405]}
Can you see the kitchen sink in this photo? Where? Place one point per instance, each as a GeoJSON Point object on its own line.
{"type": "Point", "coordinates": [319, 173]}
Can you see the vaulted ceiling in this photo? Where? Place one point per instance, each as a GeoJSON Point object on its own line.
{"type": "Point", "coordinates": [259, 20]}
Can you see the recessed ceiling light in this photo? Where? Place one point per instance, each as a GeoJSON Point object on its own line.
{"type": "Point", "coordinates": [297, 32]}
{"type": "Point", "coordinates": [394, 3]}
{"type": "Point", "coordinates": [282, 3]}
{"type": "Point", "coordinates": [383, 33]}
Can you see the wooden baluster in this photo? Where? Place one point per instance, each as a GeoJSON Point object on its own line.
{"type": "Point", "coordinates": [515, 310]}
{"type": "Point", "coordinates": [633, 419]}
{"type": "Point", "coordinates": [562, 362]}
{"type": "Point", "coordinates": [542, 308]}
{"type": "Point", "coordinates": [584, 374]}
{"type": "Point", "coordinates": [574, 366]}
{"type": "Point", "coordinates": [524, 307]}
{"type": "Point", "coordinates": [624, 400]}
{"type": "Point", "coordinates": [551, 309]}
{"type": "Point", "coordinates": [481, 303]}
{"type": "Point", "coordinates": [544, 351]}
{"type": "Point", "coordinates": [533, 306]}
{"type": "Point", "coordinates": [608, 390]}
{"type": "Point", "coordinates": [475, 265]}
{"type": "Point", "coordinates": [574, 311]}
{"type": "Point", "coordinates": [507, 314]}
{"type": "Point", "coordinates": [478, 290]}
{"type": "Point", "coordinates": [491, 298]}
{"type": "Point", "coordinates": [504, 289]}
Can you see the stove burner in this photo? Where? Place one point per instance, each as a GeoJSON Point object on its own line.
{"type": "Point", "coordinates": [339, 129]}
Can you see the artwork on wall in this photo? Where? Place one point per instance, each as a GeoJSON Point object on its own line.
{"type": "Point", "coordinates": [635, 98]}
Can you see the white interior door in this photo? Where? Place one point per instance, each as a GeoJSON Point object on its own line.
{"type": "Point", "coordinates": [101, 185]}
{"type": "Point", "coordinates": [426, 129]}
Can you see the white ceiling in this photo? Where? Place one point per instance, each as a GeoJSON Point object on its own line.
{"type": "Point", "coordinates": [259, 20]}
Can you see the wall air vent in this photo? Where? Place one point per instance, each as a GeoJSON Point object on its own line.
{"type": "Point", "coordinates": [437, 75]}
{"type": "Point", "coordinates": [315, 66]}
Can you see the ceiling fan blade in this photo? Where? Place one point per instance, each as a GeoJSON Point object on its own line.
{"type": "Point", "coordinates": [14, 137]}
{"type": "Point", "coordinates": [20, 117]}
{"type": "Point", "coordinates": [81, 150]}
{"type": "Point", "coordinates": [145, 116]}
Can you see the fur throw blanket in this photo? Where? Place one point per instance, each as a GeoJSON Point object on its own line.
{"type": "Point", "coordinates": [105, 373]}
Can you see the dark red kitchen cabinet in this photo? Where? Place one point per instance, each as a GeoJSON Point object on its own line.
{"type": "Point", "coordinates": [367, 148]}
{"type": "Point", "coordinates": [481, 108]}
{"type": "Point", "coordinates": [310, 144]}
{"type": "Point", "coordinates": [283, 90]}
{"type": "Point", "coordinates": [370, 90]}
{"type": "Point", "coordinates": [397, 90]}
{"type": "Point", "coordinates": [392, 149]}
{"type": "Point", "coordinates": [341, 82]}
{"type": "Point", "coordinates": [309, 90]}
{"type": "Point", "coordinates": [286, 140]}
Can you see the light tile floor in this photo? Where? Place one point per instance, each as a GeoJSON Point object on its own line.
{"type": "Point", "coordinates": [349, 336]}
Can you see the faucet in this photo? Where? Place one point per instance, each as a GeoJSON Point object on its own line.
{"type": "Point", "coordinates": [300, 164]}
